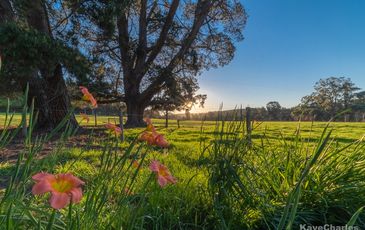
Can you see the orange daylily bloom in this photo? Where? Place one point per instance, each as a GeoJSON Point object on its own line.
{"type": "Point", "coordinates": [88, 96]}
{"type": "Point", "coordinates": [151, 136]}
{"type": "Point", "coordinates": [161, 141]}
{"type": "Point", "coordinates": [113, 129]}
{"type": "Point", "coordinates": [85, 117]}
{"type": "Point", "coordinates": [64, 188]}
{"type": "Point", "coordinates": [163, 174]}
{"type": "Point", "coordinates": [135, 163]}
{"type": "Point", "coordinates": [150, 127]}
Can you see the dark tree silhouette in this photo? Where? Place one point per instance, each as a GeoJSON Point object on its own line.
{"type": "Point", "coordinates": [152, 44]}
{"type": "Point", "coordinates": [32, 55]}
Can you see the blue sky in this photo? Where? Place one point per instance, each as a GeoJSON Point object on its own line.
{"type": "Point", "coordinates": [289, 45]}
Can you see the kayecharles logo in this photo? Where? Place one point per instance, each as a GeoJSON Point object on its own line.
{"type": "Point", "coordinates": [328, 227]}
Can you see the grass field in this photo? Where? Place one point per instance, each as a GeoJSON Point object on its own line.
{"type": "Point", "coordinates": [290, 175]}
{"type": "Point", "coordinates": [189, 130]}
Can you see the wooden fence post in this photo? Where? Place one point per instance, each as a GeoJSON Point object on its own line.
{"type": "Point", "coordinates": [347, 117]}
{"type": "Point", "coordinates": [248, 124]}
{"type": "Point", "coordinates": [24, 125]}
{"type": "Point", "coordinates": [96, 118]}
{"type": "Point", "coordinates": [241, 114]}
{"type": "Point", "coordinates": [167, 119]}
{"type": "Point", "coordinates": [121, 121]}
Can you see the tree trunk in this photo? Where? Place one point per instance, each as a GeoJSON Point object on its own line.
{"type": "Point", "coordinates": [51, 97]}
{"type": "Point", "coordinates": [46, 86]}
{"type": "Point", "coordinates": [187, 114]}
{"type": "Point", "coordinates": [135, 103]}
{"type": "Point", "coordinates": [6, 12]}
{"type": "Point", "coordinates": [59, 102]}
{"type": "Point", "coordinates": [135, 112]}
{"type": "Point", "coordinates": [51, 101]}
{"type": "Point", "coordinates": [37, 92]}
{"type": "Point", "coordinates": [167, 119]}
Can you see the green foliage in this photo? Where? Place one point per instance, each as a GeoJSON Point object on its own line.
{"type": "Point", "coordinates": [15, 102]}
{"type": "Point", "coordinates": [331, 96]}
{"type": "Point", "coordinates": [180, 94]}
{"type": "Point", "coordinates": [158, 58]}
{"type": "Point", "coordinates": [290, 172]}
{"type": "Point", "coordinates": [25, 50]}
{"type": "Point", "coordinates": [286, 183]}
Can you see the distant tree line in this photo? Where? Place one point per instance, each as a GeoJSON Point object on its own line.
{"type": "Point", "coordinates": [333, 98]}
{"type": "Point", "coordinates": [336, 98]}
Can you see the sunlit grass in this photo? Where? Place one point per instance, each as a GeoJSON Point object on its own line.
{"type": "Point", "coordinates": [191, 130]}
{"type": "Point", "coordinates": [223, 182]}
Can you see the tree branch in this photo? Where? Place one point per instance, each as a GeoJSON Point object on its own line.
{"type": "Point", "coordinates": [163, 36]}
{"type": "Point", "coordinates": [6, 12]}
{"type": "Point", "coordinates": [123, 39]}
{"type": "Point", "coordinates": [201, 13]}
{"type": "Point", "coordinates": [109, 99]}
{"type": "Point", "coordinates": [141, 50]}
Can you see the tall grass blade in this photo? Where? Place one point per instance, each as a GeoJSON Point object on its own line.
{"type": "Point", "coordinates": [354, 218]}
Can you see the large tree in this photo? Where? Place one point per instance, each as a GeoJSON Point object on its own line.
{"type": "Point", "coordinates": [331, 96]}
{"type": "Point", "coordinates": [33, 55]}
{"type": "Point", "coordinates": [152, 44]}
{"type": "Point", "coordinates": [274, 110]}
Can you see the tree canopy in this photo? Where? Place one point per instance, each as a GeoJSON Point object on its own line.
{"type": "Point", "coordinates": [34, 55]}
{"type": "Point", "coordinates": [330, 97]}
{"type": "Point", "coordinates": [147, 47]}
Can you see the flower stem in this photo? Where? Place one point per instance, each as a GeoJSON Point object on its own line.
{"type": "Point", "coordinates": [51, 220]}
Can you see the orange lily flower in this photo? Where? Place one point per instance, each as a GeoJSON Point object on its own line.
{"type": "Point", "coordinates": [113, 129]}
{"type": "Point", "coordinates": [150, 127]}
{"type": "Point", "coordinates": [163, 174]}
{"type": "Point", "coordinates": [85, 117]}
{"type": "Point", "coordinates": [64, 188]}
{"type": "Point", "coordinates": [135, 163]}
{"type": "Point", "coordinates": [88, 96]}
{"type": "Point", "coordinates": [161, 141]}
{"type": "Point", "coordinates": [151, 136]}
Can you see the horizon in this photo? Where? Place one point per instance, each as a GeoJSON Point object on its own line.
{"type": "Point", "coordinates": [288, 44]}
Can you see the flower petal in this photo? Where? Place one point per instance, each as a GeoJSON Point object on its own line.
{"type": "Point", "coordinates": [162, 181]}
{"type": "Point", "coordinates": [154, 166]}
{"type": "Point", "coordinates": [42, 176]}
{"type": "Point", "coordinates": [171, 179]}
{"type": "Point", "coordinates": [84, 90]}
{"type": "Point", "coordinates": [76, 195]}
{"type": "Point", "coordinates": [59, 200]}
{"type": "Point", "coordinates": [151, 139]}
{"type": "Point", "coordinates": [161, 141]}
{"type": "Point", "coordinates": [93, 102]}
{"type": "Point", "coordinates": [75, 181]}
{"type": "Point", "coordinates": [41, 187]}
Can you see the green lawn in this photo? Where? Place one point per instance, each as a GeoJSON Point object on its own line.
{"type": "Point", "coordinates": [343, 132]}
{"type": "Point", "coordinates": [222, 182]}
